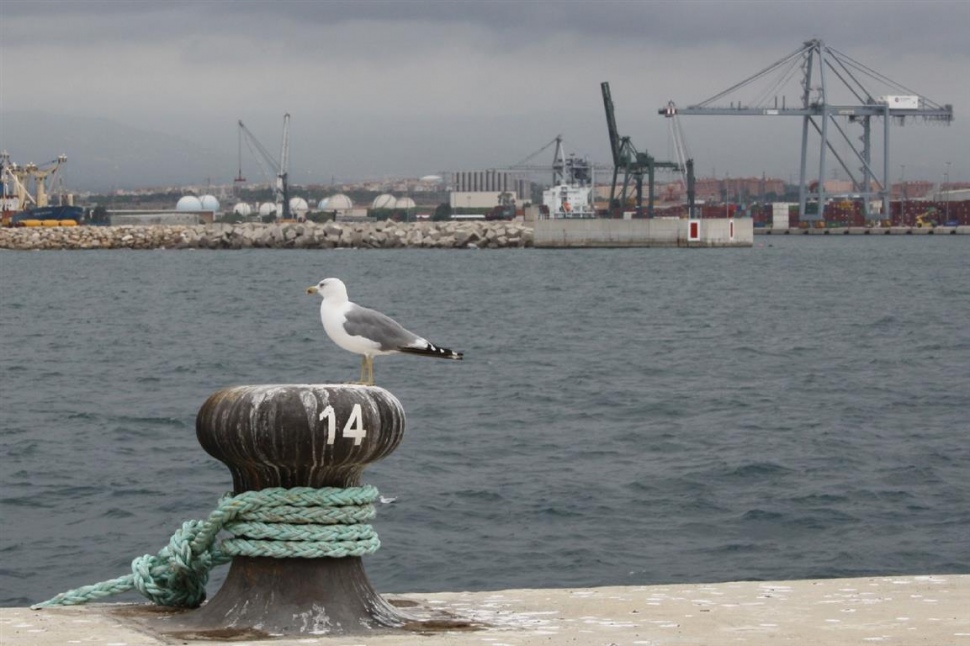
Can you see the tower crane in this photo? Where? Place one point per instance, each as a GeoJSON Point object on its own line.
{"type": "Point", "coordinates": [280, 168]}
{"type": "Point", "coordinates": [634, 163]}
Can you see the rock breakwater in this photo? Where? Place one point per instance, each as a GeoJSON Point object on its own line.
{"type": "Point", "coordinates": [303, 235]}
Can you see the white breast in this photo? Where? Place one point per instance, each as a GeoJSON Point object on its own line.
{"type": "Point", "coordinates": [333, 319]}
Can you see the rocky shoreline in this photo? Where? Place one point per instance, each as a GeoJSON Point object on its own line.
{"type": "Point", "coordinates": [303, 235]}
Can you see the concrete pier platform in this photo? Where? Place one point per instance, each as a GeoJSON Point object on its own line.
{"type": "Point", "coordinates": [588, 233]}
{"type": "Point", "coordinates": [893, 610]}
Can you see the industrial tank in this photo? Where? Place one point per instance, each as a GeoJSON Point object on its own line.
{"type": "Point", "coordinates": [209, 203]}
{"type": "Point", "coordinates": [188, 203]}
{"type": "Point", "coordinates": [298, 206]}
{"type": "Point", "coordinates": [339, 202]}
{"type": "Point", "coordinates": [383, 201]}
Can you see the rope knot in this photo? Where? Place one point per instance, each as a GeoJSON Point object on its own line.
{"type": "Point", "coordinates": [177, 575]}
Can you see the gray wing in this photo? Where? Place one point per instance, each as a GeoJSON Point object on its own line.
{"type": "Point", "coordinates": [371, 324]}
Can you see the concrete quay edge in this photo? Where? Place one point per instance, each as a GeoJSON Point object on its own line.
{"type": "Point", "coordinates": [876, 231]}
{"type": "Point", "coordinates": [927, 610]}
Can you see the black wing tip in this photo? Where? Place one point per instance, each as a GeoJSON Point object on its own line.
{"type": "Point", "coordinates": [435, 351]}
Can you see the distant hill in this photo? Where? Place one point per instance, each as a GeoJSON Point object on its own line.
{"type": "Point", "coordinates": [104, 154]}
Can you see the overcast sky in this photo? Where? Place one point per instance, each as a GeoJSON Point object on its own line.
{"type": "Point", "coordinates": [398, 88]}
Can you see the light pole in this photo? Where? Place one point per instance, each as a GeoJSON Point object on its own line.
{"type": "Point", "coordinates": [902, 194]}
{"type": "Point", "coordinates": [946, 206]}
{"type": "Point", "coordinates": [407, 196]}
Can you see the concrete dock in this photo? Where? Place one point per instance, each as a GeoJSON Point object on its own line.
{"type": "Point", "coordinates": [932, 610]}
{"type": "Point", "coordinates": [866, 231]}
{"type": "Point", "coordinates": [586, 233]}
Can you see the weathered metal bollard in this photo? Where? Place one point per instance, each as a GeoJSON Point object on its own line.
{"type": "Point", "coordinates": [297, 436]}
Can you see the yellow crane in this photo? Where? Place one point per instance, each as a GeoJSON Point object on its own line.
{"type": "Point", "coordinates": [928, 218]}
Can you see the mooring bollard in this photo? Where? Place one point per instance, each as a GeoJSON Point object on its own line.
{"type": "Point", "coordinates": [312, 441]}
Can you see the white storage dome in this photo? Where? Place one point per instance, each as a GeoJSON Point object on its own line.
{"type": "Point", "coordinates": [404, 203]}
{"type": "Point", "coordinates": [242, 209]}
{"type": "Point", "coordinates": [339, 202]}
{"type": "Point", "coordinates": [267, 208]}
{"type": "Point", "coordinates": [383, 201]}
{"type": "Point", "coordinates": [189, 203]}
{"type": "Point", "coordinates": [209, 203]}
{"type": "Point", "coordinates": [298, 205]}
{"type": "Point", "coordinates": [322, 204]}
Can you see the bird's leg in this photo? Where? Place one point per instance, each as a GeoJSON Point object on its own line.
{"type": "Point", "coordinates": [363, 368]}
{"type": "Point", "coordinates": [370, 371]}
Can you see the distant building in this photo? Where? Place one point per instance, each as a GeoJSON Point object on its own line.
{"type": "Point", "coordinates": [737, 188]}
{"type": "Point", "coordinates": [474, 199]}
{"type": "Point", "coordinates": [911, 189]}
{"type": "Point", "coordinates": [492, 181]}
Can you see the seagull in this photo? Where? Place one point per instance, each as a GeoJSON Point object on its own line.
{"type": "Point", "coordinates": [368, 332]}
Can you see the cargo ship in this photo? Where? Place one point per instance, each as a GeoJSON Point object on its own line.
{"type": "Point", "coordinates": [21, 207]}
{"type": "Point", "coordinates": [571, 195]}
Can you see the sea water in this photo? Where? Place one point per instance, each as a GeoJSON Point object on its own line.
{"type": "Point", "coordinates": [796, 409]}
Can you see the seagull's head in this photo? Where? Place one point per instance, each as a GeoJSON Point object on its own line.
{"type": "Point", "coordinates": [330, 289]}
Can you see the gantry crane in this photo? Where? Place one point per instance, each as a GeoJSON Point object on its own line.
{"type": "Point", "coordinates": [634, 164]}
{"type": "Point", "coordinates": [821, 110]}
{"type": "Point", "coordinates": [280, 168]}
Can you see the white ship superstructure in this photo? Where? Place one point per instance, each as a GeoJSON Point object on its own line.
{"type": "Point", "coordinates": [571, 195]}
{"type": "Point", "coordinates": [569, 201]}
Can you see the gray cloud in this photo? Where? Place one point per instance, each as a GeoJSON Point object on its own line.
{"type": "Point", "coordinates": [935, 25]}
{"type": "Point", "coordinates": [385, 88]}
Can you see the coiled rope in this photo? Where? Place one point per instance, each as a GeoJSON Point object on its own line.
{"type": "Point", "coordinates": [301, 522]}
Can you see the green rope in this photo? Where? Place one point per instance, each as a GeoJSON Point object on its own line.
{"type": "Point", "coordinates": [280, 523]}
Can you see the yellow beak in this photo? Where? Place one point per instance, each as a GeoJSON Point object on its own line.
{"type": "Point", "coordinates": [312, 290]}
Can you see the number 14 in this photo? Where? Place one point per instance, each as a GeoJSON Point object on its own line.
{"type": "Point", "coordinates": [354, 428]}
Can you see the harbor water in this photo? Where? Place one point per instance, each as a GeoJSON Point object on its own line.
{"type": "Point", "coordinates": [798, 409]}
